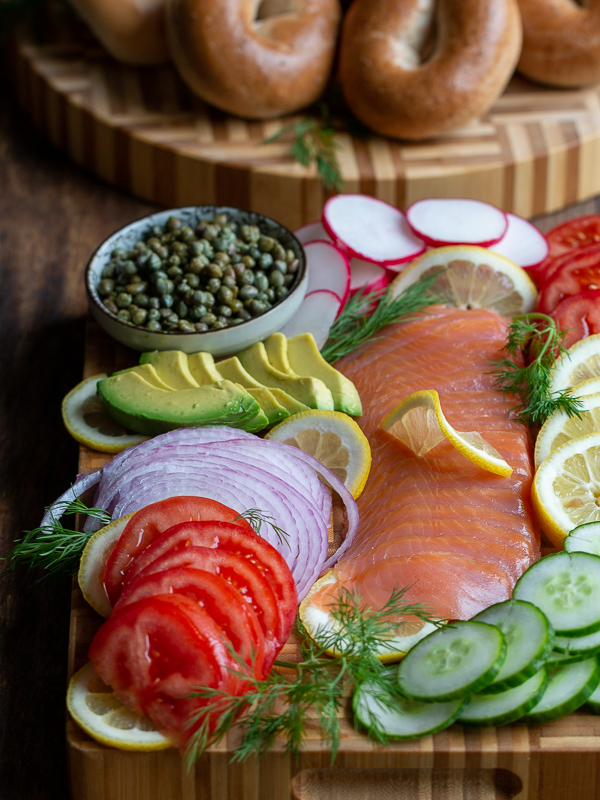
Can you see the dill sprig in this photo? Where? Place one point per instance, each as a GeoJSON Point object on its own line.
{"type": "Point", "coordinates": [366, 313]}
{"type": "Point", "coordinates": [533, 344]}
{"type": "Point", "coordinates": [298, 694]}
{"type": "Point", "coordinates": [255, 517]}
{"type": "Point", "coordinates": [54, 548]}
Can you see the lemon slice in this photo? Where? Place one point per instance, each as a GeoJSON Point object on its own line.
{"type": "Point", "coordinates": [419, 423]}
{"type": "Point", "coordinates": [89, 424]}
{"type": "Point", "coordinates": [560, 428]}
{"type": "Point", "coordinates": [322, 626]}
{"type": "Point", "coordinates": [334, 439]}
{"type": "Point", "coordinates": [92, 563]}
{"type": "Point", "coordinates": [566, 487]}
{"type": "Point", "coordinates": [94, 707]}
{"type": "Point", "coordinates": [580, 363]}
{"type": "Point", "coordinates": [472, 277]}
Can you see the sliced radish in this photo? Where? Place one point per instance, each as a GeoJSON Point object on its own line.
{"type": "Point", "coordinates": [313, 232]}
{"type": "Point", "coordinates": [368, 276]}
{"type": "Point", "coordinates": [315, 315]}
{"type": "Point", "coordinates": [327, 269]}
{"type": "Point", "coordinates": [440, 221]}
{"type": "Point", "coordinates": [522, 243]}
{"type": "Point", "coordinates": [371, 229]}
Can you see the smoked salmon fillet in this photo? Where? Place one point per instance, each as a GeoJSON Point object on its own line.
{"type": "Point", "coordinates": [457, 535]}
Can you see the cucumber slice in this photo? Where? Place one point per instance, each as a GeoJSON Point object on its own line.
{"type": "Point", "coordinates": [566, 587]}
{"type": "Point", "coordinates": [593, 701]}
{"type": "Point", "coordinates": [453, 662]}
{"type": "Point", "coordinates": [568, 688]}
{"type": "Point", "coordinates": [589, 644]}
{"type": "Point", "coordinates": [584, 539]}
{"type": "Point", "coordinates": [557, 659]}
{"type": "Point", "coordinates": [502, 708]}
{"type": "Point", "coordinates": [390, 716]}
{"type": "Point", "coordinates": [529, 640]}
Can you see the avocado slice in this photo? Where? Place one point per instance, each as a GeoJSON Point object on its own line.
{"type": "Point", "coordinates": [139, 406]}
{"type": "Point", "coordinates": [304, 358]}
{"type": "Point", "coordinates": [290, 403]}
{"type": "Point", "coordinates": [274, 411]}
{"type": "Point", "coordinates": [276, 347]}
{"type": "Point", "coordinates": [203, 369]}
{"type": "Point", "coordinates": [149, 373]}
{"type": "Point", "coordinates": [172, 367]}
{"type": "Point", "coordinates": [310, 391]}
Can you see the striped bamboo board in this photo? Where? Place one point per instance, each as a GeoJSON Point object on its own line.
{"type": "Point", "coordinates": [556, 761]}
{"type": "Point", "coordinates": [536, 151]}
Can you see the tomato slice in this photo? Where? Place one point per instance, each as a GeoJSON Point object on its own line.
{"type": "Point", "coordinates": [238, 571]}
{"type": "Point", "coordinates": [232, 538]}
{"type": "Point", "coordinates": [579, 315]}
{"type": "Point", "coordinates": [154, 651]}
{"type": "Point", "coordinates": [576, 273]}
{"type": "Point", "coordinates": [222, 601]}
{"type": "Point", "coordinates": [573, 234]}
{"type": "Point", "coordinates": [148, 523]}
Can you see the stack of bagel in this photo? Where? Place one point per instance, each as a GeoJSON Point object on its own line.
{"type": "Point", "coordinates": [408, 69]}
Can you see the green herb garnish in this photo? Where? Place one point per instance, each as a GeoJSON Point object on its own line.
{"type": "Point", "coordinates": [54, 548]}
{"type": "Point", "coordinates": [285, 703]}
{"type": "Point", "coordinates": [366, 313]}
{"type": "Point", "coordinates": [533, 344]}
{"type": "Point", "coordinates": [255, 517]}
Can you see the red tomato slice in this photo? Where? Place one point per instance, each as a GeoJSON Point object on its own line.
{"type": "Point", "coordinates": [153, 652]}
{"type": "Point", "coordinates": [225, 605]}
{"type": "Point", "coordinates": [573, 234]}
{"type": "Point", "coordinates": [238, 571]}
{"type": "Point", "coordinates": [226, 536]}
{"type": "Point", "coordinates": [579, 315]}
{"type": "Point", "coordinates": [145, 526]}
{"type": "Point", "coordinates": [577, 273]}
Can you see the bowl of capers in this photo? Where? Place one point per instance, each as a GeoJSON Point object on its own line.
{"type": "Point", "coordinates": [201, 278]}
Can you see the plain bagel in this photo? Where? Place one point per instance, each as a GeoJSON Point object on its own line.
{"type": "Point", "coordinates": [412, 69]}
{"type": "Point", "coordinates": [251, 58]}
{"type": "Point", "coordinates": [561, 41]}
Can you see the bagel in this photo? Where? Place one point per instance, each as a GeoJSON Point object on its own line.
{"type": "Point", "coordinates": [251, 58]}
{"type": "Point", "coordinates": [413, 69]}
{"type": "Point", "coordinates": [561, 42]}
{"type": "Point", "coordinates": [132, 31]}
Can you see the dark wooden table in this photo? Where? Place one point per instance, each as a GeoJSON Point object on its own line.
{"type": "Point", "coordinates": [52, 215]}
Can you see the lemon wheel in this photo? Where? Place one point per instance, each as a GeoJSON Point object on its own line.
{"type": "Point", "coordinates": [560, 428]}
{"type": "Point", "coordinates": [579, 363]}
{"type": "Point", "coordinates": [92, 563]}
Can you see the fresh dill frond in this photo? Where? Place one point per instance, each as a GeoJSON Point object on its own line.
{"type": "Point", "coordinates": [366, 313]}
{"type": "Point", "coordinates": [54, 548]}
{"type": "Point", "coordinates": [313, 689]}
{"type": "Point", "coordinates": [255, 517]}
{"type": "Point", "coordinates": [533, 344]}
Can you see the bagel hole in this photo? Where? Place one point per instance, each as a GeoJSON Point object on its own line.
{"type": "Point", "coordinates": [415, 47]}
{"type": "Point", "coordinates": [275, 8]}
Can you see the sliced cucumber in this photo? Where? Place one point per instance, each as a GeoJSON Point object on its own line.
{"type": "Point", "coordinates": [566, 587]}
{"type": "Point", "coordinates": [584, 539]}
{"type": "Point", "coordinates": [501, 708]}
{"type": "Point", "coordinates": [453, 662]}
{"type": "Point", "coordinates": [593, 701]}
{"type": "Point", "coordinates": [389, 716]}
{"type": "Point", "coordinates": [568, 688]}
{"type": "Point", "coordinates": [557, 659]}
{"type": "Point", "coordinates": [589, 644]}
{"type": "Point", "coordinates": [529, 639]}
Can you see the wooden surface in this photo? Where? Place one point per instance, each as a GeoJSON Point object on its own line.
{"type": "Point", "coordinates": [537, 150]}
{"type": "Point", "coordinates": [52, 215]}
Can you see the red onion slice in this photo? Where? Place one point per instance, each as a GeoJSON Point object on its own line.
{"type": "Point", "coordinates": [60, 505]}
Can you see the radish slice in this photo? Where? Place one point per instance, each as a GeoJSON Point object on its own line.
{"type": "Point", "coordinates": [371, 229]}
{"type": "Point", "coordinates": [522, 243]}
{"type": "Point", "coordinates": [368, 276]}
{"type": "Point", "coordinates": [313, 232]}
{"type": "Point", "coordinates": [441, 221]}
{"type": "Point", "coordinates": [315, 315]}
{"type": "Point", "coordinates": [327, 269]}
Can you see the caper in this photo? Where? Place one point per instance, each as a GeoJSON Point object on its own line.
{"type": "Point", "coordinates": [154, 302]}
{"type": "Point", "coordinates": [197, 312]}
{"type": "Point", "coordinates": [293, 265]}
{"type": "Point", "coordinates": [222, 259]}
{"type": "Point", "coordinates": [209, 318]}
{"type": "Point", "coordinates": [219, 324]}
{"type": "Point", "coordinates": [186, 234]}
{"type": "Point", "coordinates": [119, 253]}
{"type": "Point", "coordinates": [183, 287]}
{"type": "Point", "coordinates": [137, 288]}
{"type": "Point", "coordinates": [105, 287]}
{"type": "Point", "coordinates": [236, 306]}
{"type": "Point", "coordinates": [246, 278]}
{"type": "Point", "coordinates": [248, 292]}
{"type": "Point", "coordinates": [155, 260]}
{"type": "Point", "coordinates": [224, 295]}
{"type": "Point", "coordinates": [261, 282]}
{"type": "Point", "coordinates": [276, 278]}
{"type": "Point", "coordinates": [201, 327]}
{"type": "Point", "coordinates": [185, 326]}
{"type": "Point", "coordinates": [124, 315]}
{"type": "Point", "coordinates": [257, 307]}
{"type": "Point", "coordinates": [249, 261]}
{"type": "Point", "coordinates": [280, 266]}
{"type": "Point", "coordinates": [229, 281]}
{"type": "Point", "coordinates": [153, 314]}
{"type": "Point", "coordinates": [193, 280]}
{"type": "Point", "coordinates": [173, 224]}
{"type": "Point", "coordinates": [174, 272]}
{"type": "Point", "coordinates": [164, 286]}
{"type": "Point", "coordinates": [213, 285]}
{"type": "Point", "coordinates": [164, 312]}
{"type": "Point", "coordinates": [214, 271]}
{"type": "Point", "coordinates": [281, 292]}
{"type": "Point", "coordinates": [128, 268]}
{"type": "Point", "coordinates": [254, 253]}
{"type": "Point", "coordinates": [154, 325]}
{"type": "Point", "coordinates": [266, 243]}
{"type": "Point", "coordinates": [139, 316]}
{"type": "Point", "coordinates": [143, 300]}
{"type": "Point", "coordinates": [288, 280]}
{"type": "Point", "coordinates": [181, 309]}
{"type": "Point", "coordinates": [167, 300]}
{"type": "Point", "coordinates": [123, 300]}
{"type": "Point", "coordinates": [111, 306]}
{"type": "Point", "coordinates": [223, 311]}
{"type": "Point", "coordinates": [244, 315]}
{"type": "Point", "coordinates": [270, 295]}
{"type": "Point", "coordinates": [278, 252]}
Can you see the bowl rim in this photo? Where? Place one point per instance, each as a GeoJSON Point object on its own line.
{"type": "Point", "coordinates": [92, 291]}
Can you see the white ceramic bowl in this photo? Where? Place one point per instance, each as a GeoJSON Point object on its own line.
{"type": "Point", "coordinates": [220, 342]}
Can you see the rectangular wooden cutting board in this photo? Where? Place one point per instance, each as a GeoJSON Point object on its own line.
{"type": "Point", "coordinates": [556, 761]}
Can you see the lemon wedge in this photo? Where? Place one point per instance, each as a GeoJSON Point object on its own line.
{"type": "Point", "coordinates": [472, 277]}
{"type": "Point", "coordinates": [560, 428]}
{"type": "Point", "coordinates": [94, 708]}
{"type": "Point", "coordinates": [334, 439]}
{"type": "Point", "coordinates": [579, 363]}
{"type": "Point", "coordinates": [419, 423]}
{"type": "Point", "coordinates": [566, 487]}
{"type": "Point", "coordinates": [321, 625]}
{"type": "Point", "coordinates": [93, 560]}
{"type": "Point", "coordinates": [89, 424]}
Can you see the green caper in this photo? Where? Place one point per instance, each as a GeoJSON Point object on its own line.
{"type": "Point", "coordinates": [219, 324]}
{"type": "Point", "coordinates": [224, 295]}
{"type": "Point", "coordinates": [257, 307]}
{"type": "Point", "coordinates": [201, 327]}
{"type": "Point", "coordinates": [236, 306]}
{"type": "Point", "coordinates": [105, 287]}
{"type": "Point", "coordinates": [281, 292]}
{"type": "Point", "coordinates": [270, 295]}
{"type": "Point", "coordinates": [183, 287]}
{"type": "Point", "coordinates": [119, 253]}
{"type": "Point", "coordinates": [261, 282]}
{"type": "Point", "coordinates": [246, 278]}
{"type": "Point", "coordinates": [223, 311]}
{"type": "Point", "coordinates": [248, 292]}
{"type": "Point", "coordinates": [124, 315]}
{"type": "Point", "coordinates": [173, 224]}
{"type": "Point", "coordinates": [174, 272]}
{"type": "Point", "coordinates": [123, 300]}
{"type": "Point", "coordinates": [214, 271]}
{"type": "Point", "coordinates": [139, 316]}
{"type": "Point", "coordinates": [209, 318]}
{"type": "Point", "coordinates": [192, 280]}
{"type": "Point", "coordinates": [229, 281]}
{"type": "Point", "coordinates": [185, 326]}
{"type": "Point", "coordinates": [197, 312]}
{"type": "Point", "coordinates": [213, 285]}
{"type": "Point", "coordinates": [142, 300]}
{"type": "Point", "coordinates": [154, 325]}
{"type": "Point", "coordinates": [276, 278]}
{"type": "Point", "coordinates": [266, 243]}
{"type": "Point", "coordinates": [167, 300]}
{"type": "Point", "coordinates": [186, 234]}
{"type": "Point", "coordinates": [137, 288]}
{"type": "Point", "coordinates": [181, 309]}
{"type": "Point", "coordinates": [111, 306]}
{"type": "Point", "coordinates": [244, 315]}
{"type": "Point", "coordinates": [154, 302]}
{"type": "Point", "coordinates": [153, 314]}
{"type": "Point", "coordinates": [293, 265]}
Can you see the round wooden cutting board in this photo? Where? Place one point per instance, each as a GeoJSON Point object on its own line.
{"type": "Point", "coordinates": [536, 151]}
